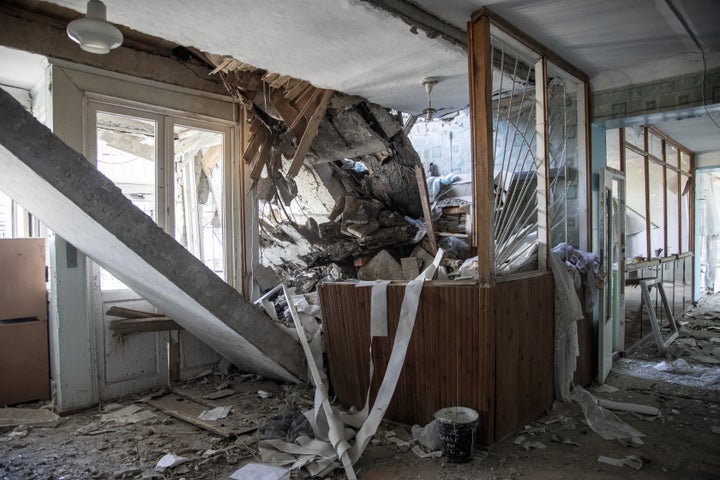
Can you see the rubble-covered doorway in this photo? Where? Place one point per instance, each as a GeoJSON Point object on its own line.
{"type": "Point", "coordinates": [173, 170]}
{"type": "Point", "coordinates": [707, 233]}
{"type": "Point", "coordinates": [611, 327]}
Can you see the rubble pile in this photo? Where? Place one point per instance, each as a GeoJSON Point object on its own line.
{"type": "Point", "coordinates": [338, 184]}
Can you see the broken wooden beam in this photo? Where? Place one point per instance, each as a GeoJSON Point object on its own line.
{"type": "Point", "coordinates": [425, 199]}
{"type": "Point", "coordinates": [129, 313]}
{"type": "Point", "coordinates": [309, 134]}
{"type": "Point", "coordinates": [187, 410]}
{"type": "Point", "coordinates": [128, 326]}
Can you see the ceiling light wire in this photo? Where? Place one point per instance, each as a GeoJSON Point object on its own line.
{"type": "Point", "coordinates": [696, 41]}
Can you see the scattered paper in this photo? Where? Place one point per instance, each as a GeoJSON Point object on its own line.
{"type": "Point", "coordinates": [565, 441]}
{"type": "Point", "coordinates": [20, 431]}
{"type": "Point", "coordinates": [10, 417]}
{"type": "Point", "coordinates": [631, 461]}
{"type": "Point", "coordinates": [422, 454]}
{"type": "Point", "coordinates": [263, 394]}
{"type": "Point", "coordinates": [715, 429]}
{"type": "Point", "coordinates": [258, 471]}
{"type": "Point", "coordinates": [111, 407]}
{"type": "Point", "coordinates": [138, 417]}
{"type": "Point", "coordinates": [214, 414]}
{"type": "Point", "coordinates": [170, 460]}
{"type": "Point", "coordinates": [533, 444]}
{"type": "Point", "coordinates": [605, 388]}
{"type": "Point", "coordinates": [123, 412]}
{"type": "Point", "coordinates": [519, 440]}
{"type": "Point", "coordinates": [226, 392]}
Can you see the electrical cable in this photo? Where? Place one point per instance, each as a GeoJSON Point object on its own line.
{"type": "Point", "coordinates": [696, 41]}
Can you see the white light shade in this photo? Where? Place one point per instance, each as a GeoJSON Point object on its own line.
{"type": "Point", "coordinates": [93, 32]}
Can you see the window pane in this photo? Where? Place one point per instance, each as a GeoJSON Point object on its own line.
{"type": "Point", "coordinates": [672, 213]}
{"type": "Point", "coordinates": [656, 189]}
{"type": "Point", "coordinates": [199, 194]}
{"type": "Point", "coordinates": [635, 222]}
{"type": "Point", "coordinates": [6, 216]}
{"type": "Point", "coordinates": [562, 107]}
{"type": "Point", "coordinates": [126, 154]}
{"type": "Point", "coordinates": [612, 148]}
{"type": "Point", "coordinates": [635, 136]}
{"type": "Point", "coordinates": [515, 221]}
{"type": "Point", "coordinates": [655, 146]}
{"type": "Point", "coordinates": [671, 155]}
{"type": "Point", "coordinates": [684, 162]}
{"type": "Point", "coordinates": [685, 185]}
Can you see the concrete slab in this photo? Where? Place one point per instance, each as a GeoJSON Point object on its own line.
{"type": "Point", "coordinates": [71, 197]}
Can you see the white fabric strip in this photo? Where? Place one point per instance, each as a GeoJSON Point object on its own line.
{"type": "Point", "coordinates": [378, 307]}
{"type": "Point", "coordinates": [318, 456]}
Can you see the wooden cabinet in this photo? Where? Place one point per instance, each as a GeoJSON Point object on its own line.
{"type": "Point", "coordinates": [487, 348]}
{"type": "Point", "coordinates": [24, 362]}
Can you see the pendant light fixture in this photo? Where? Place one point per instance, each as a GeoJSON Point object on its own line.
{"type": "Point", "coordinates": [93, 32]}
{"type": "Point", "coordinates": [429, 83]}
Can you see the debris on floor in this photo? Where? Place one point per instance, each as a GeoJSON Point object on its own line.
{"type": "Point", "coordinates": [631, 461]}
{"type": "Point", "coordinates": [10, 417]}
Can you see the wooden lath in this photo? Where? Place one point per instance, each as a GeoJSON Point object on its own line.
{"type": "Point", "coordinates": [300, 106]}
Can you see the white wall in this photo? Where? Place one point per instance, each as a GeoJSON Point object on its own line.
{"type": "Point", "coordinates": [705, 160]}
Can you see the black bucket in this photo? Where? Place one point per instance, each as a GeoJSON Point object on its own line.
{"type": "Point", "coordinates": [456, 426]}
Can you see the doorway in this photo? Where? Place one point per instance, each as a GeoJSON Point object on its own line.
{"type": "Point", "coordinates": [611, 332]}
{"type": "Point", "coordinates": [173, 169]}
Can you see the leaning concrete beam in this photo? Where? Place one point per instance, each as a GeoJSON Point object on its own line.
{"type": "Point", "coordinates": [70, 196]}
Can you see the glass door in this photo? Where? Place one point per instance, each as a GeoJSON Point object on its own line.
{"type": "Point", "coordinates": [611, 330]}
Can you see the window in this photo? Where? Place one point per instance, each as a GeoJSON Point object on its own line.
{"type": "Point", "coordinates": [173, 169]}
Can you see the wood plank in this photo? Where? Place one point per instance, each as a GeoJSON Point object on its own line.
{"type": "Point", "coordinates": [524, 322]}
{"type": "Point", "coordinates": [307, 108]}
{"type": "Point", "coordinates": [211, 158]}
{"type": "Point", "coordinates": [188, 411]}
{"type": "Point", "coordinates": [128, 326]}
{"type": "Point", "coordinates": [294, 92]}
{"type": "Point", "coordinates": [480, 70]}
{"type": "Point", "coordinates": [425, 201]}
{"type": "Point", "coordinates": [280, 81]}
{"type": "Point", "coordinates": [129, 313]}
{"type": "Point", "coordinates": [287, 112]}
{"type": "Point", "coordinates": [174, 357]}
{"type": "Point", "coordinates": [256, 142]}
{"type": "Point", "coordinates": [269, 77]}
{"type": "Point", "coordinates": [261, 161]}
{"type": "Point", "coordinates": [292, 83]}
{"type": "Point", "coordinates": [307, 94]}
{"type": "Point", "coordinates": [309, 134]}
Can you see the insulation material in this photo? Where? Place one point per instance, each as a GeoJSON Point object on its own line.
{"type": "Point", "coordinates": [568, 312]}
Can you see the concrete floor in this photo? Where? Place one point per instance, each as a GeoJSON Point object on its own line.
{"type": "Point", "coordinates": [679, 443]}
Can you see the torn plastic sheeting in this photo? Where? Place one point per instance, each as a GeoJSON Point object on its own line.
{"type": "Point", "coordinates": [568, 311]}
{"type": "Point", "coordinates": [428, 436]}
{"type": "Point", "coordinates": [631, 461]}
{"type": "Point", "coordinates": [320, 456]}
{"type": "Point", "coordinates": [602, 421]}
{"type": "Point", "coordinates": [678, 372]}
